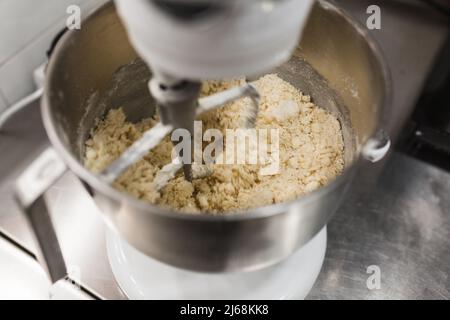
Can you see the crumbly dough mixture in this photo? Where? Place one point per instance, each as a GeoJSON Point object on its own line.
{"type": "Point", "coordinates": [310, 153]}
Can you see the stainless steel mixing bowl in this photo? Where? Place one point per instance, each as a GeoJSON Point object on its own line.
{"type": "Point", "coordinates": [95, 68]}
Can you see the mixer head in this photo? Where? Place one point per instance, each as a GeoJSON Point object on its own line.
{"type": "Point", "coordinates": [213, 39]}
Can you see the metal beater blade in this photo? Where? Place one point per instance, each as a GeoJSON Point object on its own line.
{"type": "Point", "coordinates": [136, 151]}
{"type": "Point", "coordinates": [151, 138]}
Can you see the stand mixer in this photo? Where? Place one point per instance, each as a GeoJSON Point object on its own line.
{"type": "Point", "coordinates": [236, 39]}
{"type": "Point", "coordinates": [186, 42]}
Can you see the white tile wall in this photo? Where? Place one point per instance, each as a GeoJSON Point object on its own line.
{"type": "Point", "coordinates": [21, 21]}
{"type": "Point", "coordinates": [27, 28]}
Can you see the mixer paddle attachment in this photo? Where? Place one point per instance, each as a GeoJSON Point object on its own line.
{"type": "Point", "coordinates": [151, 138]}
{"type": "Point", "coordinates": [135, 152]}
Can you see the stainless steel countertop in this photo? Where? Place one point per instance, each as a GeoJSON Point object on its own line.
{"type": "Point", "coordinates": [402, 225]}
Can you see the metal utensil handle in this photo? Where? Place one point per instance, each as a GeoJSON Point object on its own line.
{"type": "Point", "coordinates": [31, 185]}
{"type": "Point", "coordinates": [21, 104]}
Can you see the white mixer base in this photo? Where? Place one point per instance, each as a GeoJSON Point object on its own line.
{"type": "Point", "coordinates": [142, 277]}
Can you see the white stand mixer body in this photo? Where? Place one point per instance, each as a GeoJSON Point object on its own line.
{"type": "Point", "coordinates": [239, 38]}
{"type": "Point", "coordinates": [245, 38]}
{"type": "Point", "coordinates": [142, 277]}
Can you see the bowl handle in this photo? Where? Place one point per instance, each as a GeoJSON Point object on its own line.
{"type": "Point", "coordinates": [377, 147]}
{"type": "Point", "coordinates": [30, 187]}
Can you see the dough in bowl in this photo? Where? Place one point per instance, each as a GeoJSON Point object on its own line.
{"type": "Point", "coordinates": [311, 153]}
